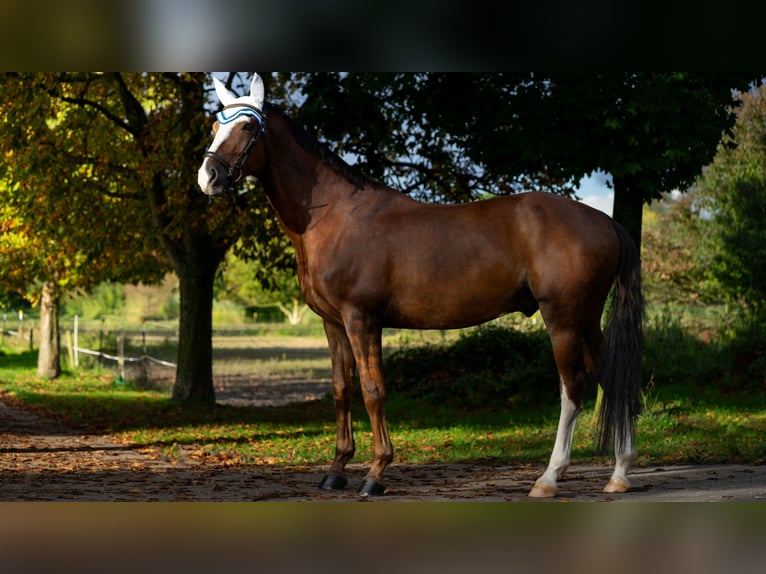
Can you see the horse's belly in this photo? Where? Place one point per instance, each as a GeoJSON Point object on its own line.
{"type": "Point", "coordinates": [455, 309]}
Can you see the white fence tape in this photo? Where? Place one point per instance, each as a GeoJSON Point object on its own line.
{"type": "Point", "coordinates": [103, 355]}
{"type": "Point", "coordinates": [125, 358]}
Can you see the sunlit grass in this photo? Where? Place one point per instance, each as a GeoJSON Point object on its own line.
{"type": "Point", "coordinates": [677, 426]}
{"type": "Point", "coordinates": [695, 410]}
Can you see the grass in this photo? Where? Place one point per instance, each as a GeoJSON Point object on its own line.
{"type": "Point", "coordinates": [695, 410]}
{"type": "Point", "coordinates": [293, 434]}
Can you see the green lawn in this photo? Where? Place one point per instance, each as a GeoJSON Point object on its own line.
{"type": "Point", "coordinates": [680, 423]}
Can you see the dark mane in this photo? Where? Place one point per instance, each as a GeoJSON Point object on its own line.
{"type": "Point", "coordinates": [310, 143]}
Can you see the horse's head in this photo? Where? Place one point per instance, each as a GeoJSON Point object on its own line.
{"type": "Point", "coordinates": [238, 129]}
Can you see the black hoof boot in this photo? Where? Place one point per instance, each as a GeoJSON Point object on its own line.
{"type": "Point", "coordinates": [371, 487]}
{"type": "Point", "coordinates": [333, 482]}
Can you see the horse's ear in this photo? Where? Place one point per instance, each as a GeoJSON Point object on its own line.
{"type": "Point", "coordinates": [256, 91]}
{"type": "Point", "coordinates": [224, 94]}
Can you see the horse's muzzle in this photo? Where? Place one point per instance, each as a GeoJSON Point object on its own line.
{"type": "Point", "coordinates": [213, 179]}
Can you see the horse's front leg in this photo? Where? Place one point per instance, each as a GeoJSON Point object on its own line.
{"type": "Point", "coordinates": [365, 337]}
{"type": "Point", "coordinates": [343, 370]}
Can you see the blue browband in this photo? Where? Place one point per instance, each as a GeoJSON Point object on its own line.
{"type": "Point", "coordinates": [234, 111]}
{"type": "Point", "coordinates": [234, 172]}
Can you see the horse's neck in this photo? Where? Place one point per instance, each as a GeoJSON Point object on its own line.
{"type": "Point", "coordinates": [296, 183]}
{"type": "Point", "coordinates": [291, 180]}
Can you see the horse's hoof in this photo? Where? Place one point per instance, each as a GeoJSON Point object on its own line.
{"type": "Point", "coordinates": [617, 485]}
{"type": "Point", "coordinates": [371, 487]}
{"type": "Point", "coordinates": [333, 482]}
{"type": "Point", "coordinates": [543, 490]}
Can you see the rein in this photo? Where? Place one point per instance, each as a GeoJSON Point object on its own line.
{"type": "Point", "coordinates": [236, 168]}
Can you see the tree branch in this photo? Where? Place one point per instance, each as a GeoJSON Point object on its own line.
{"type": "Point", "coordinates": [86, 103]}
{"type": "Point", "coordinates": [134, 111]}
{"type": "Point", "coordinates": [99, 108]}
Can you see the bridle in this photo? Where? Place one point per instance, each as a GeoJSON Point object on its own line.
{"type": "Point", "coordinates": [222, 118]}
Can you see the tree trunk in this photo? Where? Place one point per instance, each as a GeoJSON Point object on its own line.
{"type": "Point", "coordinates": [628, 208]}
{"type": "Point", "coordinates": [49, 355]}
{"type": "Point", "coordinates": [196, 252]}
{"type": "Point", "coordinates": [194, 373]}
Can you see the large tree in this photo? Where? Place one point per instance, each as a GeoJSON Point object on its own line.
{"type": "Point", "coordinates": [653, 132]}
{"type": "Point", "coordinates": [456, 136]}
{"type": "Point", "coordinates": [56, 235]}
{"type": "Point", "coordinates": [145, 134]}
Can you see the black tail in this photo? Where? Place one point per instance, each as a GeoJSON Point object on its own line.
{"type": "Point", "coordinates": [619, 370]}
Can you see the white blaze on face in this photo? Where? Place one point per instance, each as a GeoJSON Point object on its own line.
{"type": "Point", "coordinates": [206, 174]}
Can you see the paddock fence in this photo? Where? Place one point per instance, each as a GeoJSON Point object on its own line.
{"type": "Point", "coordinates": [124, 352]}
{"type": "Point", "coordinates": [264, 364]}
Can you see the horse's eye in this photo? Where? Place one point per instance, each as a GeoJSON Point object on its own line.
{"type": "Point", "coordinates": [249, 127]}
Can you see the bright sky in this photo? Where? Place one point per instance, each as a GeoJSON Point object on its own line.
{"type": "Point", "coordinates": [594, 192]}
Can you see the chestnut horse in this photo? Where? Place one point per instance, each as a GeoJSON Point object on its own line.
{"type": "Point", "coordinates": [370, 257]}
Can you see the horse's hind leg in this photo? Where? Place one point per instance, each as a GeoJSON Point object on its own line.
{"type": "Point", "coordinates": [343, 369]}
{"type": "Point", "coordinates": [568, 352]}
{"type": "Point", "coordinates": [625, 452]}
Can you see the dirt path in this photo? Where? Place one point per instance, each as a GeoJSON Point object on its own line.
{"type": "Point", "coordinates": [42, 460]}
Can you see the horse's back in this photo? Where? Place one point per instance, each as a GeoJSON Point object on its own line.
{"type": "Point", "coordinates": [521, 233]}
{"type": "Point", "coordinates": [427, 266]}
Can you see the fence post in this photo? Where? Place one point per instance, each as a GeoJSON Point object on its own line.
{"type": "Point", "coordinates": [121, 355]}
{"type": "Point", "coordinates": [101, 343]}
{"type": "Point", "coordinates": [70, 346]}
{"type": "Point", "coordinates": [75, 357]}
{"type": "Point", "coordinates": [145, 362]}
{"type": "Point", "coordinates": [21, 324]}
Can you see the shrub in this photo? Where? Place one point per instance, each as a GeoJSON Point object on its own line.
{"type": "Point", "coordinates": [675, 356]}
{"type": "Point", "coordinates": [487, 366]}
{"type": "Point", "coordinates": [105, 299]}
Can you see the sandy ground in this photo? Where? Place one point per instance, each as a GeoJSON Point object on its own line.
{"type": "Point", "coordinates": [42, 460]}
